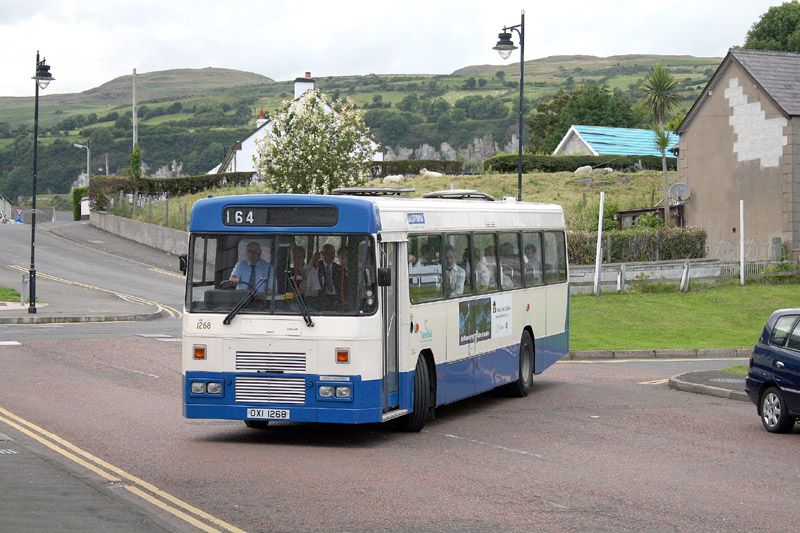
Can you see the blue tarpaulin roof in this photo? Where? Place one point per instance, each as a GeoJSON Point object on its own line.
{"type": "Point", "coordinates": [617, 141]}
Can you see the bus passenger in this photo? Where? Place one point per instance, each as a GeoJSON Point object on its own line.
{"type": "Point", "coordinates": [482, 274]}
{"type": "Point", "coordinates": [532, 265]}
{"type": "Point", "coordinates": [330, 273]}
{"type": "Point", "coordinates": [305, 275]}
{"type": "Point", "coordinates": [455, 275]}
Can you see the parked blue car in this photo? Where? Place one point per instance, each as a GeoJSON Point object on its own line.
{"type": "Point", "coordinates": [773, 381]}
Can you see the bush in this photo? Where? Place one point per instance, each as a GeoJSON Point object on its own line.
{"type": "Point", "coordinates": [101, 188]}
{"type": "Point", "coordinates": [638, 244]}
{"type": "Point", "coordinates": [507, 163]}
{"type": "Point", "coordinates": [77, 194]}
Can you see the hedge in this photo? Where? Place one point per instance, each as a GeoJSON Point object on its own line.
{"type": "Point", "coordinates": [77, 194]}
{"type": "Point", "coordinates": [638, 244]}
{"type": "Point", "coordinates": [570, 163]}
{"type": "Point", "coordinates": [106, 186]}
{"type": "Point", "coordinates": [407, 167]}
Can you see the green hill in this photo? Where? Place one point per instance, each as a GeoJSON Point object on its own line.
{"type": "Point", "coordinates": [190, 117]}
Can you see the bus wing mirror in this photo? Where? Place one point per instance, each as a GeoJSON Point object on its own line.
{"type": "Point", "coordinates": [384, 277]}
{"type": "Point", "coordinates": [183, 263]}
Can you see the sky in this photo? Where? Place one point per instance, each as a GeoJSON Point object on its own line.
{"type": "Point", "coordinates": [89, 42]}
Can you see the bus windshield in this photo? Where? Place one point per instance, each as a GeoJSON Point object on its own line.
{"type": "Point", "coordinates": [334, 274]}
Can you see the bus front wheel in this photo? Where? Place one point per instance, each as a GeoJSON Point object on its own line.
{"type": "Point", "coordinates": [415, 421]}
{"type": "Point", "coordinates": [522, 386]}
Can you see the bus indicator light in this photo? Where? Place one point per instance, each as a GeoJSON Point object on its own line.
{"type": "Point", "coordinates": [343, 355]}
{"type": "Point", "coordinates": [199, 351]}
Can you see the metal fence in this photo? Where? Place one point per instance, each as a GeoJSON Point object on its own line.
{"type": "Point", "coordinates": [753, 250]}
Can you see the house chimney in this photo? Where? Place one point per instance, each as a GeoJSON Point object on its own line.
{"type": "Point", "coordinates": [262, 119]}
{"type": "Point", "coordinates": [301, 85]}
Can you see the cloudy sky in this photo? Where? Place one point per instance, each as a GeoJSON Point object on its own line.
{"type": "Point", "coordinates": [89, 42]}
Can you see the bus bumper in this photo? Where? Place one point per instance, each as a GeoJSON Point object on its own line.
{"type": "Point", "coordinates": [240, 401]}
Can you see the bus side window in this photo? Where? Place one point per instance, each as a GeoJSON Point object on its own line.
{"type": "Point", "coordinates": [510, 263]}
{"type": "Point", "coordinates": [425, 268]}
{"type": "Point", "coordinates": [532, 258]}
{"type": "Point", "coordinates": [457, 277]}
{"type": "Point", "coordinates": [555, 257]}
{"type": "Point", "coordinates": [484, 252]}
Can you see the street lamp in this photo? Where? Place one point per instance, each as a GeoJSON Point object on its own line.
{"type": "Point", "coordinates": [504, 47]}
{"type": "Point", "coordinates": [88, 160]}
{"type": "Point", "coordinates": [43, 79]}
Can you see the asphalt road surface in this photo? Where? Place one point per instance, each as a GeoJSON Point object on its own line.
{"type": "Point", "coordinates": [596, 446]}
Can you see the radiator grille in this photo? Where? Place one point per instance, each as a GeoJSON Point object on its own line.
{"type": "Point", "coordinates": [262, 389]}
{"type": "Point", "coordinates": [271, 362]}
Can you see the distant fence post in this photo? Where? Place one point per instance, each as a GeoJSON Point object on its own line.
{"type": "Point", "coordinates": [685, 277]}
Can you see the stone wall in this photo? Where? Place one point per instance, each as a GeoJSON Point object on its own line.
{"type": "Point", "coordinates": [166, 239]}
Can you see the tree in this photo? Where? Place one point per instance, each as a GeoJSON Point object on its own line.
{"type": "Point", "coordinates": [590, 105]}
{"type": "Point", "coordinates": [660, 91]}
{"type": "Point", "coordinates": [777, 29]}
{"type": "Point", "coordinates": [309, 148]}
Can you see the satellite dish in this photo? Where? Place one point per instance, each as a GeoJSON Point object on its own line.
{"type": "Point", "coordinates": [680, 191]}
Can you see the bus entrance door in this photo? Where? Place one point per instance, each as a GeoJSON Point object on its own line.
{"type": "Point", "coordinates": [388, 259]}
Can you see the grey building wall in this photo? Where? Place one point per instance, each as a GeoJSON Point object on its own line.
{"type": "Point", "coordinates": [740, 146]}
{"type": "Point", "coordinates": [574, 145]}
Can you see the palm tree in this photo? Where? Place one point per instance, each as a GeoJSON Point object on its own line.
{"type": "Point", "coordinates": [660, 98]}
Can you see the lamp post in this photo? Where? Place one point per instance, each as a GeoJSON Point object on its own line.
{"type": "Point", "coordinates": [43, 79]}
{"type": "Point", "coordinates": [504, 47]}
{"type": "Point", "coordinates": [88, 160]}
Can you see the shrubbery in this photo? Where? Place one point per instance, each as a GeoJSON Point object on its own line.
{"type": "Point", "coordinates": [102, 187]}
{"type": "Point", "coordinates": [639, 244]}
{"type": "Point", "coordinates": [569, 163]}
{"type": "Point", "coordinates": [77, 194]}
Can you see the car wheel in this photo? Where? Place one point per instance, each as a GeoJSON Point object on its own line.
{"type": "Point", "coordinates": [774, 415]}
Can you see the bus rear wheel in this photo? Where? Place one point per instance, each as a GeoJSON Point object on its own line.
{"type": "Point", "coordinates": [522, 386]}
{"type": "Point", "coordinates": [415, 421]}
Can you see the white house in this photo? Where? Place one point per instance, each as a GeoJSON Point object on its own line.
{"type": "Point", "coordinates": [240, 158]}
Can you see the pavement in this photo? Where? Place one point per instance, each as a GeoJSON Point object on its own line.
{"type": "Point", "coordinates": [40, 493]}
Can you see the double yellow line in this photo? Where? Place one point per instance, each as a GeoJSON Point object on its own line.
{"type": "Point", "coordinates": [144, 490]}
{"type": "Point", "coordinates": [171, 311]}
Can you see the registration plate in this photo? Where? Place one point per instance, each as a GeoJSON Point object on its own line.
{"type": "Point", "coordinates": [268, 414]}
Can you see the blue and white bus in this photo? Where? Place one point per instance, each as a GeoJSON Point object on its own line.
{"type": "Point", "coordinates": [368, 306]}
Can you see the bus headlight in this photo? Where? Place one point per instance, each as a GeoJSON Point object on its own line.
{"type": "Point", "coordinates": [343, 391]}
{"type": "Point", "coordinates": [198, 387]}
{"type": "Point", "coordinates": [326, 391]}
{"type": "Point", "coordinates": [214, 388]}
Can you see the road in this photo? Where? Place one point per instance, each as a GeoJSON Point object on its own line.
{"type": "Point", "coordinates": [108, 262]}
{"type": "Point", "coordinates": [596, 446]}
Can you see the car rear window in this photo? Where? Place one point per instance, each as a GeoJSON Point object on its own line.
{"type": "Point", "coordinates": [781, 329]}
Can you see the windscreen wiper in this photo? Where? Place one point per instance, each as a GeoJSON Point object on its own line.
{"type": "Point", "coordinates": [300, 300]}
{"type": "Point", "coordinates": [246, 300]}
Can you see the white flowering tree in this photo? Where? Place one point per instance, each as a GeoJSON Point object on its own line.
{"type": "Point", "coordinates": [309, 148]}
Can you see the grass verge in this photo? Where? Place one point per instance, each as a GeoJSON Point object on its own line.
{"type": "Point", "coordinates": [8, 295]}
{"type": "Point", "coordinates": [739, 370]}
{"type": "Point", "coordinates": [715, 316]}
